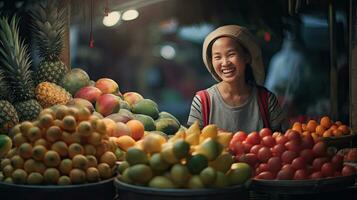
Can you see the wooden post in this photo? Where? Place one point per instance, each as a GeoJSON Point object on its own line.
{"type": "Point", "coordinates": [65, 55]}
{"type": "Point", "coordinates": [333, 61]}
{"type": "Point", "coordinates": [353, 63]}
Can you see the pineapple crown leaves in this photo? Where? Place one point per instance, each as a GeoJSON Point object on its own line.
{"type": "Point", "coordinates": [3, 86]}
{"type": "Point", "coordinates": [48, 28]}
{"type": "Point", "coordinates": [15, 60]}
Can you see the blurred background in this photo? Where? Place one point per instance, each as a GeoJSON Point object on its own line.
{"type": "Point", "coordinates": [154, 47]}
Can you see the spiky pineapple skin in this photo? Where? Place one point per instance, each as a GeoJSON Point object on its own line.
{"type": "Point", "coordinates": [49, 94]}
{"type": "Point", "coordinates": [8, 116]}
{"type": "Point", "coordinates": [28, 110]}
{"type": "Point", "coordinates": [51, 71]}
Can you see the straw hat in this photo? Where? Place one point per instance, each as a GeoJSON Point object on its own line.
{"type": "Point", "coordinates": [245, 38]}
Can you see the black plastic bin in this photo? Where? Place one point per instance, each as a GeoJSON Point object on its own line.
{"type": "Point", "coordinates": [103, 190]}
{"type": "Point", "coordinates": [132, 192]}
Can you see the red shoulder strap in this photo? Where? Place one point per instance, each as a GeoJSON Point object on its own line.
{"type": "Point", "coordinates": [205, 105]}
{"type": "Point", "coordinates": [263, 97]}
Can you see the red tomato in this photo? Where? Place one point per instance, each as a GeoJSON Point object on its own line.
{"type": "Point", "coordinates": [293, 145]}
{"type": "Point", "coordinates": [264, 154]}
{"type": "Point", "coordinates": [255, 148]}
{"type": "Point", "coordinates": [285, 174]}
{"type": "Point", "coordinates": [316, 175]}
{"type": "Point", "coordinates": [308, 155]}
{"type": "Point", "coordinates": [281, 139]}
{"type": "Point", "coordinates": [327, 169]}
{"type": "Point", "coordinates": [352, 155]}
{"type": "Point", "coordinates": [265, 132]}
{"type": "Point", "coordinates": [278, 150]}
{"type": "Point", "coordinates": [293, 135]}
{"type": "Point", "coordinates": [240, 135]}
{"type": "Point", "coordinates": [319, 149]}
{"type": "Point", "coordinates": [253, 138]}
{"type": "Point", "coordinates": [337, 174]}
{"type": "Point", "coordinates": [274, 164]}
{"type": "Point", "coordinates": [249, 158]}
{"type": "Point", "coordinates": [348, 170]}
{"type": "Point", "coordinates": [300, 174]}
{"type": "Point", "coordinates": [263, 167]}
{"type": "Point", "coordinates": [287, 166]}
{"type": "Point", "coordinates": [238, 148]}
{"type": "Point", "coordinates": [307, 142]}
{"type": "Point", "coordinates": [288, 156]}
{"type": "Point", "coordinates": [268, 141]}
{"type": "Point", "coordinates": [265, 176]}
{"type": "Point", "coordinates": [247, 146]}
{"type": "Point", "coordinates": [276, 134]}
{"type": "Point", "coordinates": [298, 163]}
{"type": "Point", "coordinates": [318, 162]}
{"type": "Point", "coordinates": [337, 162]}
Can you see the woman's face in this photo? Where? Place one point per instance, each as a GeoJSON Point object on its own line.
{"type": "Point", "coordinates": [229, 59]}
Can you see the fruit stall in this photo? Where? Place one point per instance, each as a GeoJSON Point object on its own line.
{"type": "Point", "coordinates": [67, 135]}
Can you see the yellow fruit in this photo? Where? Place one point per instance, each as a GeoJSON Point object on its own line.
{"type": "Point", "coordinates": [34, 133]}
{"type": "Point", "coordinates": [34, 178]}
{"type": "Point", "coordinates": [100, 150]}
{"type": "Point", "coordinates": [89, 149]}
{"type": "Point", "coordinates": [77, 176]}
{"type": "Point", "coordinates": [92, 174]}
{"type": "Point", "coordinates": [42, 142]}
{"type": "Point", "coordinates": [210, 149]}
{"type": "Point", "coordinates": [168, 155]}
{"type": "Point", "coordinates": [66, 166]}
{"type": "Point", "coordinates": [239, 173]}
{"type": "Point", "coordinates": [15, 130]}
{"type": "Point", "coordinates": [7, 171]}
{"type": "Point", "coordinates": [94, 138]}
{"type": "Point", "coordinates": [69, 123]}
{"type": "Point", "coordinates": [19, 139]}
{"type": "Point", "coordinates": [80, 162]}
{"type": "Point", "coordinates": [193, 139]}
{"type": "Point", "coordinates": [39, 167]}
{"type": "Point", "coordinates": [180, 134]}
{"type": "Point", "coordinates": [209, 131]}
{"type": "Point", "coordinates": [152, 143]}
{"type": "Point", "coordinates": [4, 162]}
{"type": "Point", "coordinates": [25, 150]}
{"type": "Point", "coordinates": [92, 161]}
{"type": "Point", "coordinates": [136, 156]}
{"type": "Point", "coordinates": [61, 111]}
{"type": "Point", "coordinates": [46, 120]}
{"type": "Point", "coordinates": [125, 142]}
{"type": "Point", "coordinates": [194, 129]}
{"type": "Point", "coordinates": [224, 138]}
{"type": "Point", "coordinates": [85, 128]}
{"type": "Point", "coordinates": [25, 127]}
{"type": "Point", "coordinates": [29, 165]}
{"type": "Point", "coordinates": [223, 162]}
{"type": "Point", "coordinates": [221, 180]}
{"type": "Point", "coordinates": [52, 159]}
{"type": "Point", "coordinates": [51, 176]}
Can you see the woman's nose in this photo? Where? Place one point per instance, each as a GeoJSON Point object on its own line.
{"type": "Point", "coordinates": [225, 62]}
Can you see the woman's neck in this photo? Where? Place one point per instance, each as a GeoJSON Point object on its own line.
{"type": "Point", "coordinates": [234, 89]}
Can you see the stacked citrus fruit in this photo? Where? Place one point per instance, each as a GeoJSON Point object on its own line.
{"type": "Point", "coordinates": [65, 145]}
{"type": "Point", "coordinates": [324, 128]}
{"type": "Point", "coordinates": [191, 158]}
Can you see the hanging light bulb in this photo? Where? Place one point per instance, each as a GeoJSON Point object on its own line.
{"type": "Point", "coordinates": [130, 15]}
{"type": "Point", "coordinates": [111, 19]}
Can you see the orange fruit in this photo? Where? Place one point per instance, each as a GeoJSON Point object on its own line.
{"type": "Point", "coordinates": [80, 162]}
{"type": "Point", "coordinates": [325, 122]}
{"type": "Point", "coordinates": [304, 127]}
{"type": "Point", "coordinates": [327, 133]}
{"type": "Point", "coordinates": [38, 152]}
{"type": "Point", "coordinates": [51, 176]}
{"type": "Point", "coordinates": [344, 129]}
{"type": "Point", "coordinates": [136, 129]}
{"type": "Point", "coordinates": [125, 142]}
{"type": "Point", "coordinates": [85, 128]}
{"type": "Point", "coordinates": [337, 132]}
{"type": "Point", "coordinates": [333, 127]}
{"type": "Point", "coordinates": [25, 150]}
{"type": "Point", "coordinates": [45, 120]}
{"type": "Point", "coordinates": [92, 161]}
{"type": "Point", "coordinates": [311, 125]}
{"type": "Point", "coordinates": [109, 158]}
{"type": "Point", "coordinates": [338, 123]}
{"type": "Point", "coordinates": [17, 162]}
{"type": "Point", "coordinates": [69, 123]}
{"type": "Point", "coordinates": [52, 159]}
{"type": "Point", "coordinates": [297, 127]}
{"type": "Point", "coordinates": [66, 166]}
{"type": "Point", "coordinates": [53, 133]}
{"type": "Point", "coordinates": [92, 174]}
{"type": "Point", "coordinates": [100, 150]}
{"type": "Point", "coordinates": [25, 127]}
{"type": "Point", "coordinates": [19, 139]}
{"type": "Point", "coordinates": [95, 138]}
{"type": "Point", "coordinates": [320, 130]}
{"type": "Point", "coordinates": [42, 142]}
{"type": "Point", "coordinates": [77, 176]}
{"type": "Point", "coordinates": [39, 167]}
{"type": "Point", "coordinates": [89, 149]}
{"type": "Point", "coordinates": [60, 147]}
{"type": "Point", "coordinates": [34, 133]}
{"type": "Point", "coordinates": [75, 149]}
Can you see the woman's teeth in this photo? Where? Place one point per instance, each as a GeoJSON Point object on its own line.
{"type": "Point", "coordinates": [227, 71]}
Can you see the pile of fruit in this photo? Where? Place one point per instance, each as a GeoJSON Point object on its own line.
{"type": "Point", "coordinates": [189, 159]}
{"type": "Point", "coordinates": [326, 128]}
{"type": "Point", "coordinates": [65, 145]}
{"type": "Point", "coordinates": [289, 156]}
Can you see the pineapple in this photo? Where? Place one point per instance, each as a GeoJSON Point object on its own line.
{"type": "Point", "coordinates": [8, 114]}
{"type": "Point", "coordinates": [15, 62]}
{"type": "Point", "coordinates": [49, 94]}
{"type": "Point", "coordinates": [48, 35]}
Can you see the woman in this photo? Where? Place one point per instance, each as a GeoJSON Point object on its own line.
{"type": "Point", "coordinates": [237, 101]}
